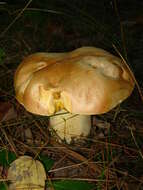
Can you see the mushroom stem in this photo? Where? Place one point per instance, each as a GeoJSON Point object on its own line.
{"type": "Point", "coordinates": [69, 126]}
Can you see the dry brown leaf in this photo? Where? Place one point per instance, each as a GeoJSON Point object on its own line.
{"type": "Point", "coordinates": [28, 136]}
{"type": "Point", "coordinates": [7, 111]}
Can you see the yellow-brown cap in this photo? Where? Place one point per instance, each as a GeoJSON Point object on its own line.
{"type": "Point", "coordinates": [86, 81]}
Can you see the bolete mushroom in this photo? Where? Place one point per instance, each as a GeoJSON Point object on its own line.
{"type": "Point", "coordinates": [84, 82]}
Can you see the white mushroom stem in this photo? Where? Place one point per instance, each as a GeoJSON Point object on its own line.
{"type": "Point", "coordinates": [70, 126]}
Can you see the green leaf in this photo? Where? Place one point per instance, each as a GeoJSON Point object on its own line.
{"type": "Point", "coordinates": [71, 185]}
{"type": "Point", "coordinates": [47, 162]}
{"type": "Point", "coordinates": [6, 157]}
{"type": "Point", "coordinates": [3, 186]}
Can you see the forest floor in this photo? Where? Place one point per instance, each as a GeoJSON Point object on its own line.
{"type": "Point", "coordinates": [112, 156]}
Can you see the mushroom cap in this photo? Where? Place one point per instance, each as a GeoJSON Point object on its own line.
{"type": "Point", "coordinates": [26, 173]}
{"type": "Point", "coordinates": [85, 81]}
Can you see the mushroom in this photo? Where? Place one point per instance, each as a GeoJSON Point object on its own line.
{"type": "Point", "coordinates": [83, 82]}
{"type": "Point", "coordinates": [26, 173]}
